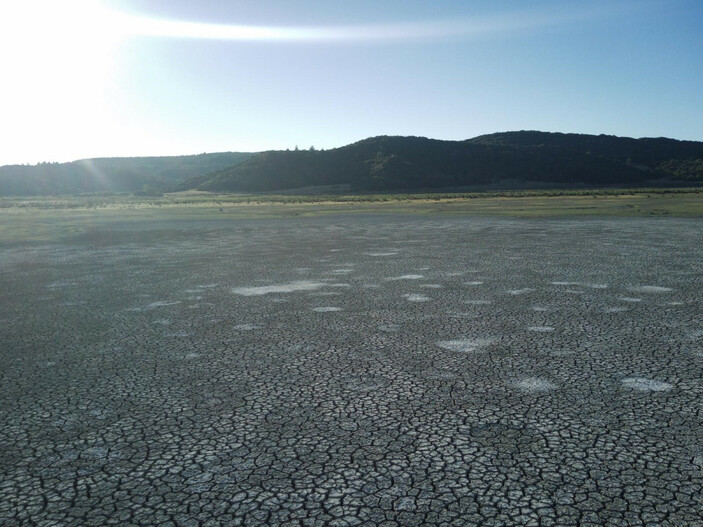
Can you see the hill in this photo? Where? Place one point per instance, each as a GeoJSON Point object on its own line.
{"type": "Point", "coordinates": [385, 163]}
{"type": "Point", "coordinates": [669, 157]}
{"type": "Point", "coordinates": [512, 158]}
{"type": "Point", "coordinates": [120, 174]}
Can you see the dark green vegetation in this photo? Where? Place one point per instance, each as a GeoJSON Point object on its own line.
{"type": "Point", "coordinates": [511, 160]}
{"type": "Point", "coordinates": [140, 175]}
{"type": "Point", "coordinates": [46, 219]}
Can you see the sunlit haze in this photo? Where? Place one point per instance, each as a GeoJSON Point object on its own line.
{"type": "Point", "coordinates": [118, 78]}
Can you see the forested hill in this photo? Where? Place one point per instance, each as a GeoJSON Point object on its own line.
{"type": "Point", "coordinates": [681, 159]}
{"type": "Point", "coordinates": [118, 174]}
{"type": "Point", "coordinates": [518, 158]}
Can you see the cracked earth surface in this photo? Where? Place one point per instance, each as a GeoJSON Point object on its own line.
{"type": "Point", "coordinates": [354, 371]}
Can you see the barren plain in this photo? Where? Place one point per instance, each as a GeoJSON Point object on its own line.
{"type": "Point", "coordinates": [353, 369]}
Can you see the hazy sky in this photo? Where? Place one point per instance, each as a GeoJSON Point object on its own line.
{"type": "Point", "coordinates": [149, 77]}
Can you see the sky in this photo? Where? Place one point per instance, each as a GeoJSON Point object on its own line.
{"type": "Point", "coordinates": [91, 78]}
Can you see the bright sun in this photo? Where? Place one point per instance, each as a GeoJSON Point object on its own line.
{"type": "Point", "coordinates": [57, 58]}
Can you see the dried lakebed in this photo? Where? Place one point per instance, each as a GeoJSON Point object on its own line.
{"type": "Point", "coordinates": [354, 370]}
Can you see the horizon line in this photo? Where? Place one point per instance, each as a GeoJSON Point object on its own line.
{"type": "Point", "coordinates": [88, 159]}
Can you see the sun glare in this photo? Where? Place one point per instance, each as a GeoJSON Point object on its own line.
{"type": "Point", "coordinates": [57, 60]}
{"type": "Point", "coordinates": [64, 71]}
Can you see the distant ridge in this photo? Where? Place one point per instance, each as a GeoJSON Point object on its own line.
{"type": "Point", "coordinates": [386, 163]}
{"type": "Point", "coordinates": [517, 158]}
{"type": "Point", "coordinates": [111, 174]}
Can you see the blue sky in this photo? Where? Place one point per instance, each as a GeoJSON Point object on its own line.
{"type": "Point", "coordinates": [119, 78]}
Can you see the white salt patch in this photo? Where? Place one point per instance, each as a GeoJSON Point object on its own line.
{"type": "Point", "coordinates": [675, 303]}
{"type": "Point", "coordinates": [477, 302]}
{"type": "Point", "coordinates": [455, 274]}
{"type": "Point", "coordinates": [432, 286]}
{"type": "Point", "coordinates": [464, 345]}
{"type": "Point", "coordinates": [192, 355]}
{"type": "Point", "coordinates": [598, 286]}
{"type": "Point", "coordinates": [326, 309]}
{"type": "Point", "coordinates": [565, 283]}
{"type": "Point", "coordinates": [206, 286]}
{"type": "Point", "coordinates": [417, 298]}
{"type": "Point", "coordinates": [382, 254]}
{"type": "Point", "coordinates": [630, 299]}
{"type": "Point", "coordinates": [534, 385]}
{"type": "Point", "coordinates": [538, 308]}
{"type": "Point", "coordinates": [423, 269]}
{"type": "Point", "coordinates": [246, 327]}
{"type": "Point", "coordinates": [342, 271]}
{"type": "Point", "coordinates": [162, 321]}
{"type": "Point", "coordinates": [62, 283]}
{"type": "Point", "coordinates": [650, 289]}
{"type": "Point", "coordinates": [408, 277]}
{"type": "Point", "coordinates": [615, 309]}
{"type": "Point", "coordinates": [541, 329]}
{"type": "Point", "coordinates": [161, 303]}
{"type": "Point", "coordinates": [192, 291]}
{"type": "Point", "coordinates": [476, 282]}
{"type": "Point", "coordinates": [154, 305]}
{"type": "Point", "coordinates": [520, 291]}
{"type": "Point", "coordinates": [300, 285]}
{"type": "Point", "coordinates": [646, 385]}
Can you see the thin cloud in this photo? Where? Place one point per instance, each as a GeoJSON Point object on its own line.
{"type": "Point", "coordinates": [505, 24]}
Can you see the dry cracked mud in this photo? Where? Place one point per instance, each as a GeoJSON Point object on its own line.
{"type": "Point", "coordinates": [265, 372]}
